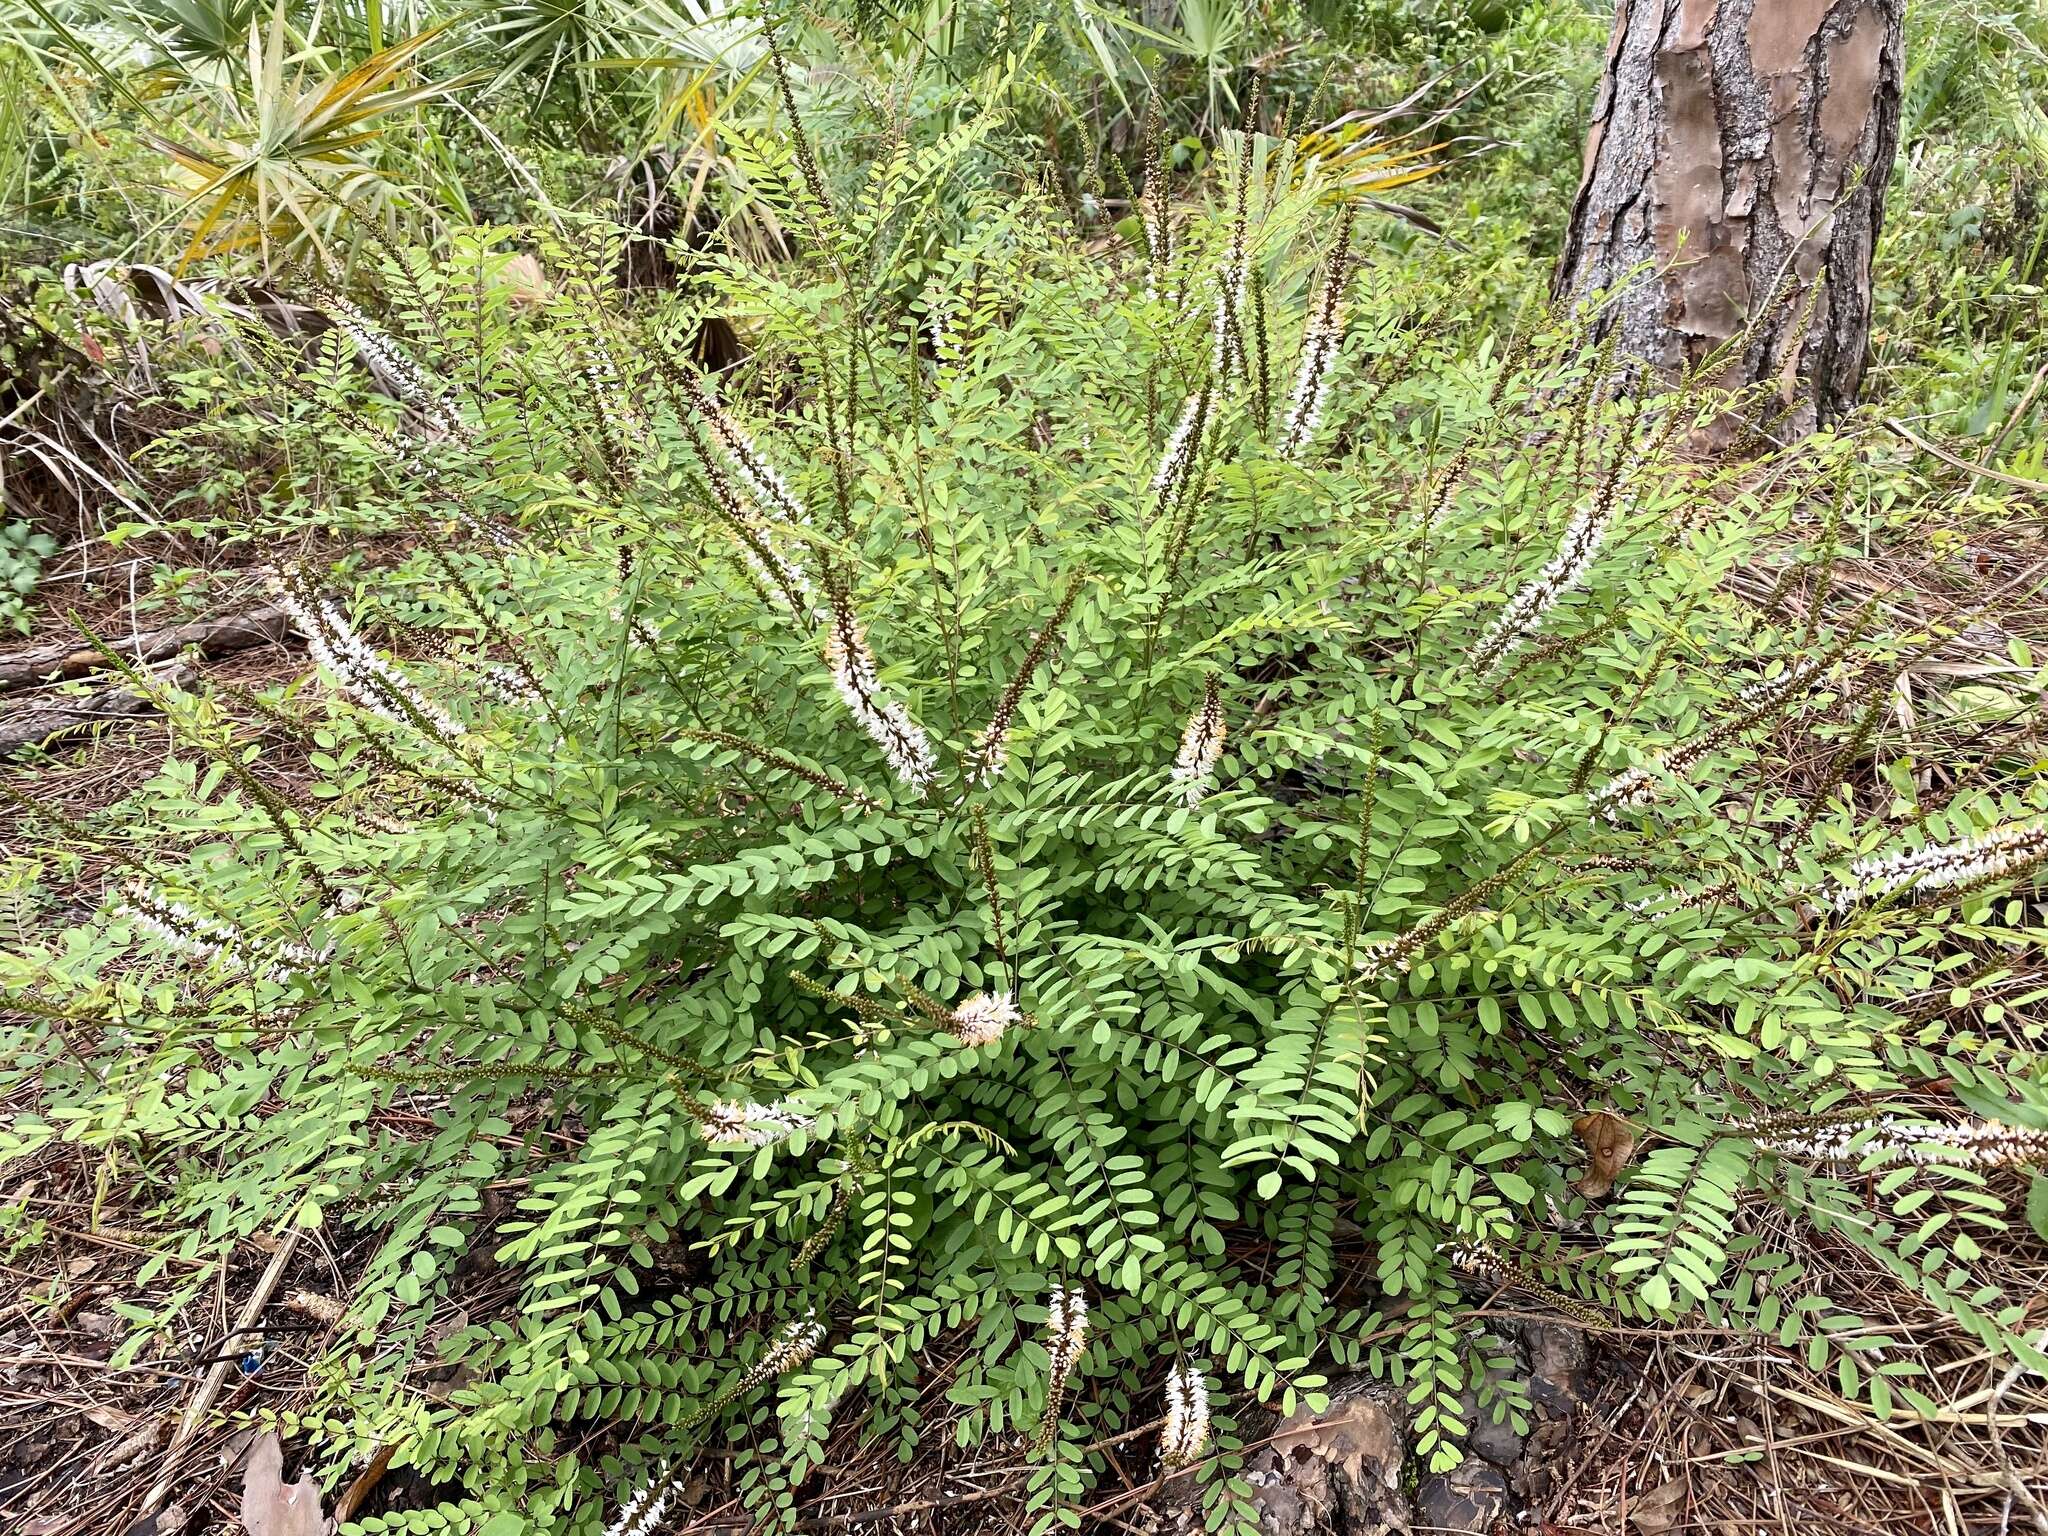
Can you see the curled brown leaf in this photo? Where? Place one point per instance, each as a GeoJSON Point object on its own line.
{"type": "Point", "coordinates": [1609, 1144]}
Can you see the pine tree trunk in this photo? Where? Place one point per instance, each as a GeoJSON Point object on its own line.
{"type": "Point", "coordinates": [1734, 181]}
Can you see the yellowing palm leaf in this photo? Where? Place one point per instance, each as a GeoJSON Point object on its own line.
{"type": "Point", "coordinates": [288, 156]}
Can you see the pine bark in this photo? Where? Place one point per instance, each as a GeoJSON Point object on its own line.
{"type": "Point", "coordinates": [1734, 190]}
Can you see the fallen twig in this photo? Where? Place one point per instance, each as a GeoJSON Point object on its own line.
{"type": "Point", "coordinates": [33, 727]}
{"type": "Point", "coordinates": [210, 637]}
{"type": "Point", "coordinates": [1983, 471]}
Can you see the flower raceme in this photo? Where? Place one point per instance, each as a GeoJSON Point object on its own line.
{"type": "Point", "coordinates": [747, 490]}
{"type": "Point", "coordinates": [1157, 211]}
{"type": "Point", "coordinates": [1319, 347]}
{"type": "Point", "coordinates": [1228, 354]}
{"type": "Point", "coordinates": [513, 686]}
{"type": "Point", "coordinates": [852, 664]}
{"type": "Point", "coordinates": [389, 361]}
{"type": "Point", "coordinates": [991, 748]}
{"type": "Point", "coordinates": [1482, 1259]}
{"type": "Point", "coordinates": [1066, 1336]}
{"type": "Point", "coordinates": [793, 1347]}
{"type": "Point", "coordinates": [984, 1018]}
{"type": "Point", "coordinates": [204, 939]}
{"type": "Point", "coordinates": [1566, 570]}
{"type": "Point", "coordinates": [1311, 385]}
{"type": "Point", "coordinates": [363, 674]}
{"type": "Point", "coordinates": [1201, 745]}
{"type": "Point", "coordinates": [641, 1514]}
{"type": "Point", "coordinates": [938, 315]}
{"type": "Point", "coordinates": [1394, 956]}
{"type": "Point", "coordinates": [1637, 788]}
{"type": "Point", "coordinates": [1587, 530]}
{"type": "Point", "coordinates": [1178, 456]}
{"type": "Point", "coordinates": [607, 386]}
{"type": "Point", "coordinates": [1066, 1329]}
{"type": "Point", "coordinates": [1927, 874]}
{"type": "Point", "coordinates": [732, 1123]}
{"type": "Point", "coordinates": [1885, 1140]}
{"type": "Point", "coordinates": [761, 479]}
{"type": "Point", "coordinates": [1226, 347]}
{"type": "Point", "coordinates": [1185, 1435]}
{"type": "Point", "coordinates": [776, 569]}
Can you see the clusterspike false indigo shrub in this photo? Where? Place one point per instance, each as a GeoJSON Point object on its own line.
{"type": "Point", "coordinates": [1134, 863]}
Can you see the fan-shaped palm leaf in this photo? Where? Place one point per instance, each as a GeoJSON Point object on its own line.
{"type": "Point", "coordinates": [290, 153]}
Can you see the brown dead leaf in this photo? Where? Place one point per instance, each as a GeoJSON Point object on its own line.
{"type": "Point", "coordinates": [269, 1507]}
{"type": "Point", "coordinates": [359, 1489]}
{"type": "Point", "coordinates": [1609, 1144]}
{"type": "Point", "coordinates": [524, 281]}
{"type": "Point", "coordinates": [1658, 1510]}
